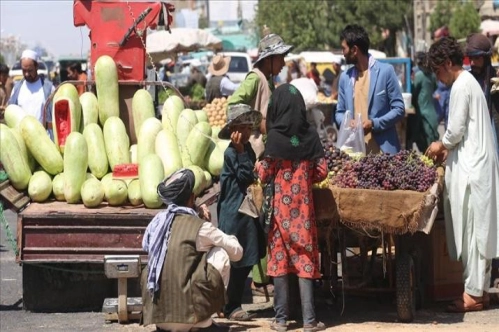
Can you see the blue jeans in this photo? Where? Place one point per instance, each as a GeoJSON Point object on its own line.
{"type": "Point", "coordinates": [281, 299]}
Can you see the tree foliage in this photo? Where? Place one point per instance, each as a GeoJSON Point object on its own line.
{"type": "Point", "coordinates": [2, 59]}
{"type": "Point", "coordinates": [316, 24]}
{"type": "Point", "coordinates": [442, 14]}
{"type": "Point", "coordinates": [465, 20]}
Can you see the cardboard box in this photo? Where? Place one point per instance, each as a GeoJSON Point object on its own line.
{"type": "Point", "coordinates": [445, 280]}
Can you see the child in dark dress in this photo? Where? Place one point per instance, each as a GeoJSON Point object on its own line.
{"type": "Point", "coordinates": [237, 175]}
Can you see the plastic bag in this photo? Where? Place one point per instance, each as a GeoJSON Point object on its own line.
{"type": "Point", "coordinates": [351, 138]}
{"type": "Point", "coordinates": [253, 201]}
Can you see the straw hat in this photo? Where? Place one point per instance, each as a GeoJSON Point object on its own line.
{"type": "Point", "coordinates": [219, 65]}
{"type": "Point", "coordinates": [237, 115]}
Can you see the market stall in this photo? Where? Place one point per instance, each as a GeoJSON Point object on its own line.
{"type": "Point", "coordinates": [369, 237]}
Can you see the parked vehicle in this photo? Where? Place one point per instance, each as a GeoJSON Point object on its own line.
{"type": "Point", "coordinates": [240, 66]}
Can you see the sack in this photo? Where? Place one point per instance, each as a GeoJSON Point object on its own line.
{"type": "Point", "coordinates": [351, 138]}
{"type": "Point", "coordinates": [249, 206]}
{"type": "Point", "coordinates": [267, 206]}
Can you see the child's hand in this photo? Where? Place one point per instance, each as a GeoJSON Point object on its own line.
{"type": "Point", "coordinates": [235, 137]}
{"type": "Point", "coordinates": [204, 212]}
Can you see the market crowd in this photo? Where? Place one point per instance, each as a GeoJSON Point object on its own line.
{"type": "Point", "coordinates": [272, 141]}
{"type": "Point", "coordinates": [197, 269]}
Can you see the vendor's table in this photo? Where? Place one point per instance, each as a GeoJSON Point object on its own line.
{"type": "Point", "coordinates": [389, 224]}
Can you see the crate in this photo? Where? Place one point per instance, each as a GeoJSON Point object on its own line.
{"type": "Point", "coordinates": [15, 200]}
{"type": "Point", "coordinates": [445, 280]}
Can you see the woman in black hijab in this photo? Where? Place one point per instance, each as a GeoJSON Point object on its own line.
{"type": "Point", "coordinates": [294, 158]}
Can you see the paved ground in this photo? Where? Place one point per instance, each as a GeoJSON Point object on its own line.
{"type": "Point", "coordinates": [359, 314]}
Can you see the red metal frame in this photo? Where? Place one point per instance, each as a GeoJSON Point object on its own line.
{"type": "Point", "coordinates": [111, 21]}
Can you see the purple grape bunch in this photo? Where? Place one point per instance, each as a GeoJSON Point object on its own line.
{"type": "Point", "coordinates": [402, 171]}
{"type": "Point", "coordinates": [334, 157]}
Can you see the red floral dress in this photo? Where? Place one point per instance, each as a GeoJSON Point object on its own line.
{"type": "Point", "coordinates": [293, 235]}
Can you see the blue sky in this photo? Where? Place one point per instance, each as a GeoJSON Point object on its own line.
{"type": "Point", "coordinates": [47, 23]}
{"type": "Point", "coordinates": [50, 23]}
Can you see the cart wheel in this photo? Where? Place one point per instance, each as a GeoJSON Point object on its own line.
{"type": "Point", "coordinates": [406, 288]}
{"type": "Point", "coordinates": [332, 133]}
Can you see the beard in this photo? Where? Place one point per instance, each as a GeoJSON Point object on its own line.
{"type": "Point", "coordinates": [351, 60]}
{"type": "Point", "coordinates": [31, 79]}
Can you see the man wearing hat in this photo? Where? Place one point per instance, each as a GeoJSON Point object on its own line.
{"type": "Point", "coordinates": [255, 91]}
{"type": "Point", "coordinates": [32, 92]}
{"type": "Point", "coordinates": [479, 51]}
{"type": "Point", "coordinates": [258, 85]}
{"type": "Point", "coordinates": [189, 261]}
{"type": "Point", "coordinates": [219, 85]}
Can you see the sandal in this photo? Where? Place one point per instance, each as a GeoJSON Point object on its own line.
{"type": "Point", "coordinates": [239, 315]}
{"type": "Point", "coordinates": [466, 304]}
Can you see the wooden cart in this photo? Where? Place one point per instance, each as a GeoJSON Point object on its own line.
{"type": "Point", "coordinates": [372, 241]}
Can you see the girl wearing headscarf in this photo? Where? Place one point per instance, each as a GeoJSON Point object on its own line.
{"type": "Point", "coordinates": [294, 158]}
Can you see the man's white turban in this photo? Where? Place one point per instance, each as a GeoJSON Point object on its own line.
{"type": "Point", "coordinates": [29, 54]}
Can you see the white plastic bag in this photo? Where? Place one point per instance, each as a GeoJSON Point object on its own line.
{"type": "Point", "coordinates": [351, 136]}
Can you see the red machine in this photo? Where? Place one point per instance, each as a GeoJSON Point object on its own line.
{"type": "Point", "coordinates": [119, 29]}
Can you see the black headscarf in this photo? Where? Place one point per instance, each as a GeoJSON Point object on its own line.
{"type": "Point", "coordinates": [289, 135]}
{"type": "Point", "coordinates": [177, 188]}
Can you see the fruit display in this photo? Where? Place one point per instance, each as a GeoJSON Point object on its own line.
{"type": "Point", "coordinates": [406, 170]}
{"type": "Point", "coordinates": [335, 158]}
{"type": "Point", "coordinates": [217, 112]}
{"type": "Point", "coordinates": [91, 160]}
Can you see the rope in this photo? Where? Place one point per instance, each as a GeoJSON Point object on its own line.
{"type": "Point", "coordinates": [8, 233]}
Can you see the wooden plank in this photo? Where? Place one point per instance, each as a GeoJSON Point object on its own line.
{"type": "Point", "coordinates": [122, 302]}
{"type": "Point", "coordinates": [57, 209]}
{"type": "Point", "coordinates": [16, 200]}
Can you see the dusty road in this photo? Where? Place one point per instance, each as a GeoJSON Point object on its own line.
{"type": "Point", "coordinates": [359, 315]}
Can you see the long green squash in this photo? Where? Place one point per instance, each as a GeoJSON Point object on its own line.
{"type": "Point", "coordinates": [24, 150]}
{"type": "Point", "coordinates": [197, 144]}
{"type": "Point", "coordinates": [142, 109]}
{"type": "Point", "coordinates": [215, 156]}
{"type": "Point", "coordinates": [68, 90]}
{"type": "Point", "coordinates": [97, 157]}
{"type": "Point", "coordinates": [116, 141]}
{"type": "Point", "coordinates": [134, 194]}
{"type": "Point", "coordinates": [106, 83]}
{"type": "Point", "coordinates": [167, 150]}
{"type": "Point", "coordinates": [58, 187]}
{"type": "Point", "coordinates": [75, 166]}
{"type": "Point", "coordinates": [146, 140]}
{"type": "Point", "coordinates": [150, 175]}
{"type": "Point", "coordinates": [200, 181]}
{"type": "Point", "coordinates": [89, 108]}
{"type": "Point", "coordinates": [12, 159]}
{"type": "Point", "coordinates": [13, 115]}
{"type": "Point", "coordinates": [63, 121]}
{"type": "Point", "coordinates": [40, 186]}
{"type": "Point", "coordinates": [172, 108]}
{"type": "Point", "coordinates": [40, 145]}
{"type": "Point", "coordinates": [92, 193]}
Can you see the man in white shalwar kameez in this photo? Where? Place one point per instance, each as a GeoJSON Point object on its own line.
{"type": "Point", "coordinates": [471, 192]}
